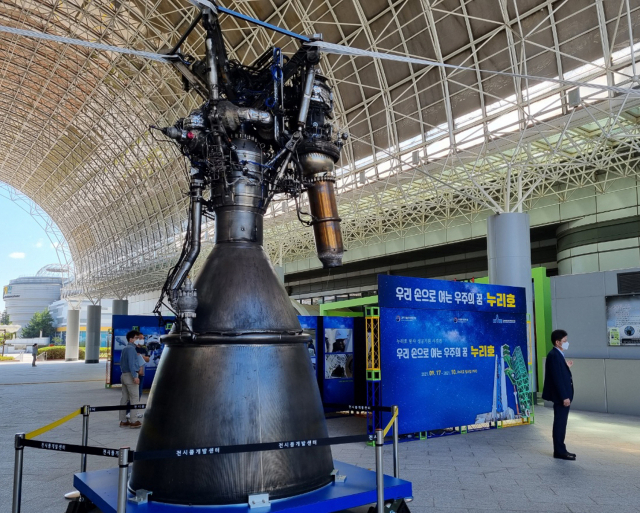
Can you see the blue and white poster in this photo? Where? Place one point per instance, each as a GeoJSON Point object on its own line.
{"type": "Point", "coordinates": [452, 353]}
{"type": "Point", "coordinates": [151, 329]}
{"type": "Point", "coordinates": [338, 385]}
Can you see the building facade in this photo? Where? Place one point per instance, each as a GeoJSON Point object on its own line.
{"type": "Point", "coordinates": [27, 295]}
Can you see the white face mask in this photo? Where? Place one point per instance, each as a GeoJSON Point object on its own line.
{"type": "Point", "coordinates": [565, 346]}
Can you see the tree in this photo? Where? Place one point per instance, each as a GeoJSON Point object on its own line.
{"type": "Point", "coordinates": [4, 317]}
{"type": "Point", "coordinates": [41, 321]}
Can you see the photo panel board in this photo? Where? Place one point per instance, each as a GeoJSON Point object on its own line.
{"type": "Point", "coordinates": [338, 363]}
{"type": "Point", "coordinates": [152, 330]}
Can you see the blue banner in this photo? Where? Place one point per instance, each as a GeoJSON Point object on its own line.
{"type": "Point", "coordinates": [404, 292]}
{"type": "Point", "coordinates": [452, 364]}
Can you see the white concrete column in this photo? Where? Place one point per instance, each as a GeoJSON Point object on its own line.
{"type": "Point", "coordinates": [120, 307]}
{"type": "Point", "coordinates": [73, 335]}
{"type": "Point", "coordinates": [92, 349]}
{"type": "Point", "coordinates": [509, 255]}
{"type": "Point", "coordinates": [280, 272]}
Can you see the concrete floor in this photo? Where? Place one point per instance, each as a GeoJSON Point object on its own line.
{"type": "Point", "coordinates": [505, 470]}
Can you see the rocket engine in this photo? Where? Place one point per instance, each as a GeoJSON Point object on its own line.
{"type": "Point", "coordinates": [236, 369]}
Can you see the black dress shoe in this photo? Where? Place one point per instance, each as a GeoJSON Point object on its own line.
{"type": "Point", "coordinates": [567, 456]}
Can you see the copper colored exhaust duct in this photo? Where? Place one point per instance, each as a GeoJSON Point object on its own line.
{"type": "Point", "coordinates": [317, 166]}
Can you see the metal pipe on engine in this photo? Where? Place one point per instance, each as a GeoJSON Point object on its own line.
{"type": "Point", "coordinates": [306, 96]}
{"type": "Point", "coordinates": [196, 229]}
{"type": "Point", "coordinates": [212, 76]}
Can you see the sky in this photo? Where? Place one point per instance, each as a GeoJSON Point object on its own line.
{"type": "Point", "coordinates": [24, 245]}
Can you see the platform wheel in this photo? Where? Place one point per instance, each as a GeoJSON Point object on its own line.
{"type": "Point", "coordinates": [82, 505]}
{"type": "Point", "coordinates": [394, 506]}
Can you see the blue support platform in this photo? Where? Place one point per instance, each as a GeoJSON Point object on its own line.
{"type": "Point", "coordinates": [359, 489]}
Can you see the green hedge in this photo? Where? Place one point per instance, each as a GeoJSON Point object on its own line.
{"type": "Point", "coordinates": [57, 352]}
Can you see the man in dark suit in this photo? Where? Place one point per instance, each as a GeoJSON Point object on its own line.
{"type": "Point", "coordinates": [558, 388]}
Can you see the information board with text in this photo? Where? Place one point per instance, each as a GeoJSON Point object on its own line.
{"type": "Point", "coordinates": [452, 353]}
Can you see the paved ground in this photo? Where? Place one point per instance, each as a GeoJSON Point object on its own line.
{"type": "Point", "coordinates": [505, 470]}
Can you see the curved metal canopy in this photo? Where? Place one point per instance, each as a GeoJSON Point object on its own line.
{"type": "Point", "coordinates": [428, 145]}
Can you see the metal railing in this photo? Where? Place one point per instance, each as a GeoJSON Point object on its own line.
{"type": "Point", "coordinates": [126, 456]}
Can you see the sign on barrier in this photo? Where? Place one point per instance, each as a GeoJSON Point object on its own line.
{"type": "Point", "coordinates": [358, 408]}
{"type": "Point", "coordinates": [77, 449]}
{"type": "Point", "coordinates": [139, 406]}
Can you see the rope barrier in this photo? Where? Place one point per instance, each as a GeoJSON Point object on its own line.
{"type": "Point", "coordinates": [126, 456]}
{"type": "Point", "coordinates": [55, 424]}
{"type": "Point", "coordinates": [199, 451]}
{"type": "Point", "coordinates": [393, 418]}
{"type": "Point", "coordinates": [92, 409]}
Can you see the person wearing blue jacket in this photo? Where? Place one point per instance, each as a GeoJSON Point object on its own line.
{"type": "Point", "coordinates": [558, 388]}
{"type": "Point", "coordinates": [129, 367]}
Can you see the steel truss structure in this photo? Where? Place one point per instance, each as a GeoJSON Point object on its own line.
{"type": "Point", "coordinates": [428, 145]}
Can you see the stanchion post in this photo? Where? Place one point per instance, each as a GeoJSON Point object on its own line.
{"type": "Point", "coordinates": [85, 436]}
{"type": "Point", "coordinates": [379, 470]}
{"type": "Point", "coordinates": [396, 465]}
{"type": "Point", "coordinates": [17, 474]}
{"type": "Point", "coordinates": [123, 477]}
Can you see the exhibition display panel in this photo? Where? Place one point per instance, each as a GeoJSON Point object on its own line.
{"type": "Point", "coordinates": [452, 353]}
{"type": "Point", "coordinates": [333, 349]}
{"type": "Point", "coordinates": [623, 320]}
{"type": "Point", "coordinates": [152, 330]}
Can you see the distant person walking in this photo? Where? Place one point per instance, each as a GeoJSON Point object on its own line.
{"type": "Point", "coordinates": [129, 366]}
{"type": "Point", "coordinates": [34, 352]}
{"type": "Point", "coordinates": [558, 388]}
